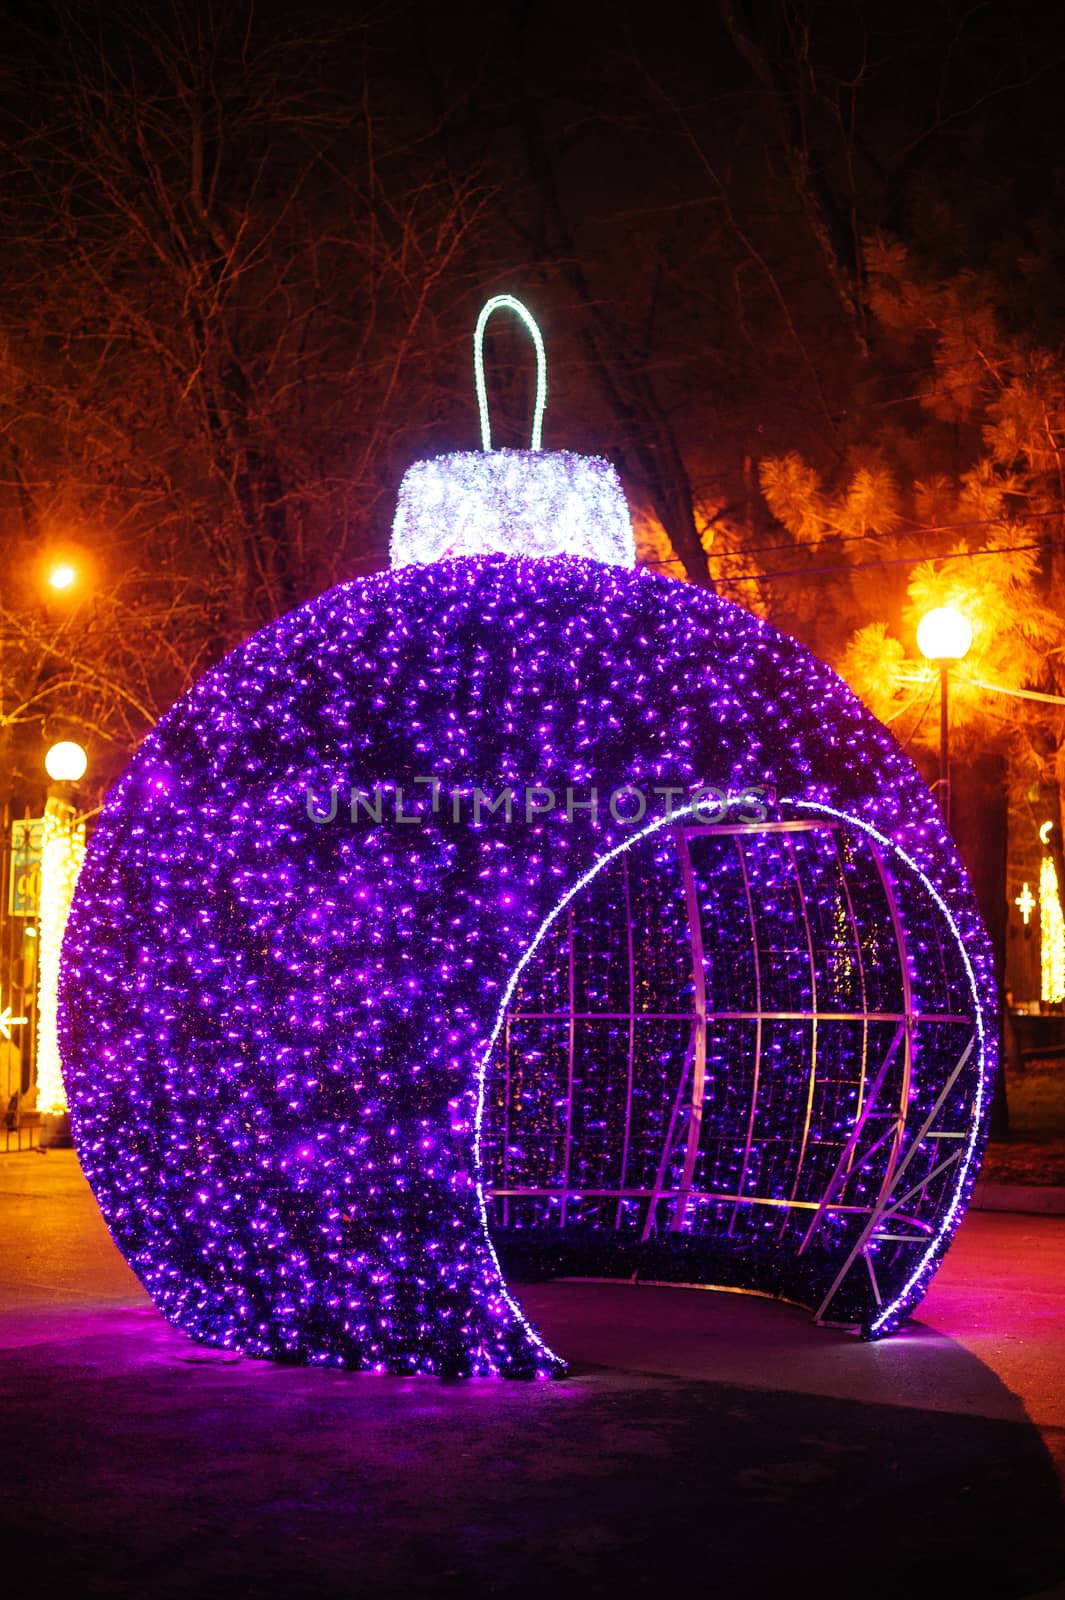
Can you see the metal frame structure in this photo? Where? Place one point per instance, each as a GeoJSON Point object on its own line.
{"type": "Point", "coordinates": [855, 1205]}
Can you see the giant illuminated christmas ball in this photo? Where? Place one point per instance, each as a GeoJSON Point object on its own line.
{"type": "Point", "coordinates": [518, 907]}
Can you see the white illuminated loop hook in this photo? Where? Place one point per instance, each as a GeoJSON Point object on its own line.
{"type": "Point", "coordinates": [500, 302]}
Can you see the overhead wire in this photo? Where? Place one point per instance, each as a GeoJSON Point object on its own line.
{"type": "Point", "coordinates": [894, 533]}
{"type": "Point", "coordinates": [895, 561]}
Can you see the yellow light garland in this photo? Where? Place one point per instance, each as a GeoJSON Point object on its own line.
{"type": "Point", "coordinates": [1052, 935]}
{"type": "Point", "coordinates": [62, 852]}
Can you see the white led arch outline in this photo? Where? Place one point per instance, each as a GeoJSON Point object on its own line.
{"type": "Point", "coordinates": [507, 302]}
{"type": "Point", "coordinates": [482, 1068]}
{"type": "Point", "coordinates": [537, 939]}
{"type": "Point", "coordinates": [949, 1222]}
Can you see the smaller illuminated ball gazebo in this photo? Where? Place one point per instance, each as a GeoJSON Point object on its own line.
{"type": "Point", "coordinates": [518, 912]}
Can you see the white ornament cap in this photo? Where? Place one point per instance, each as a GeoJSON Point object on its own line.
{"type": "Point", "coordinates": [512, 502]}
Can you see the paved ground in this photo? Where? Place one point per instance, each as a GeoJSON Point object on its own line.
{"type": "Point", "coordinates": [1034, 1153]}
{"type": "Point", "coordinates": [704, 1439]}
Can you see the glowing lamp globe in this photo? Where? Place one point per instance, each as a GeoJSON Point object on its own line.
{"type": "Point", "coordinates": [517, 912]}
{"type": "Point", "coordinates": [944, 634]}
{"type": "Point", "coordinates": [62, 576]}
{"type": "Point", "coordinates": [66, 762]}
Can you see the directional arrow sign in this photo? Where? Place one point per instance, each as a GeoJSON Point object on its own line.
{"type": "Point", "coordinates": [7, 1022]}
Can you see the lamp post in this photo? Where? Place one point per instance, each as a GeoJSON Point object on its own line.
{"type": "Point", "coordinates": [944, 635]}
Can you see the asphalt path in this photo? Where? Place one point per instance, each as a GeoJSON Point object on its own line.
{"type": "Point", "coordinates": [707, 1439]}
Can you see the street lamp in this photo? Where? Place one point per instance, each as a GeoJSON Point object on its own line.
{"type": "Point", "coordinates": [66, 762]}
{"type": "Point", "coordinates": [62, 576]}
{"type": "Point", "coordinates": [944, 635]}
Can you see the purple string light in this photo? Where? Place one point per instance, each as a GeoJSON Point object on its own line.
{"type": "Point", "coordinates": [275, 1028]}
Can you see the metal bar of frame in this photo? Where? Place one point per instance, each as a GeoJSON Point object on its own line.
{"type": "Point", "coordinates": [506, 1123]}
{"type": "Point", "coordinates": [808, 1116]}
{"type": "Point", "coordinates": [799, 825]}
{"type": "Point", "coordinates": [843, 1166]}
{"type": "Point", "coordinates": [756, 957]}
{"type": "Point", "coordinates": [882, 1210]}
{"type": "Point", "coordinates": [747, 1016]}
{"type": "Point", "coordinates": [900, 1200]}
{"type": "Point", "coordinates": [857, 933]}
{"type": "Point", "coordinates": [938, 931]}
{"type": "Point", "coordinates": [570, 1047]}
{"type": "Point", "coordinates": [632, 1039]}
{"type": "Point", "coordinates": [660, 1192]}
{"type": "Point", "coordinates": [695, 1114]}
{"type": "Point", "coordinates": [907, 1006]}
{"type": "Point", "coordinates": [714, 1197]}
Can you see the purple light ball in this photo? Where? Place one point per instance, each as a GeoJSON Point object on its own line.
{"type": "Point", "coordinates": [273, 1026]}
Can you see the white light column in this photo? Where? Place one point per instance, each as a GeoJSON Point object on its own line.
{"type": "Point", "coordinates": [62, 853]}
